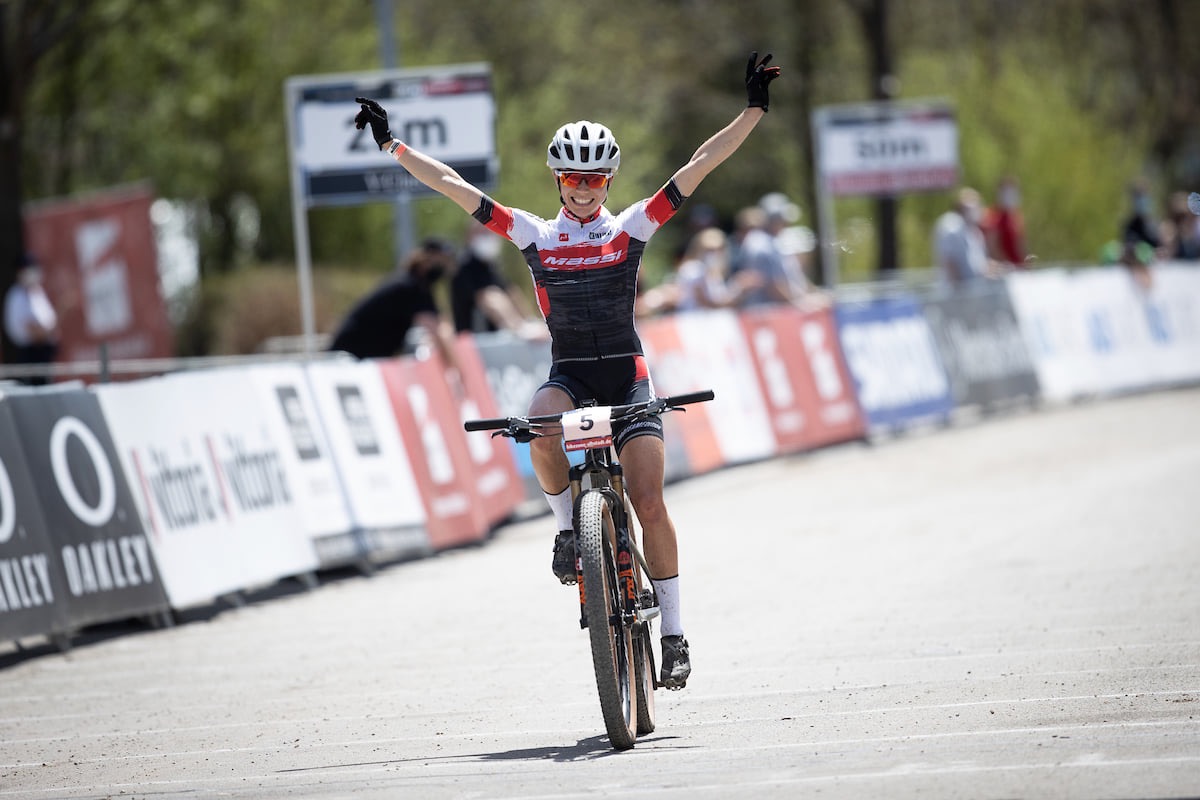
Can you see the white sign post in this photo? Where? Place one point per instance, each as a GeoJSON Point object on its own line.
{"type": "Point", "coordinates": [880, 149]}
{"type": "Point", "coordinates": [448, 112]}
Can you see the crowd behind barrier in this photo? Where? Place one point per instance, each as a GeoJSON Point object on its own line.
{"type": "Point", "coordinates": [138, 499]}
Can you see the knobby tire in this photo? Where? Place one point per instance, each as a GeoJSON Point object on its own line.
{"type": "Point", "coordinates": [612, 642]}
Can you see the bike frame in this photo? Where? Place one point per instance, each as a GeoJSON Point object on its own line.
{"type": "Point", "coordinates": [599, 472]}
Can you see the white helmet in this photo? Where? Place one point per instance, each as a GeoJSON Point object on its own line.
{"type": "Point", "coordinates": [583, 146]}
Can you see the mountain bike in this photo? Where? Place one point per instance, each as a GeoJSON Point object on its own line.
{"type": "Point", "coordinates": [617, 604]}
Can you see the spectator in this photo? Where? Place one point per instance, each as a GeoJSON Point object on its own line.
{"type": "Point", "coordinates": [30, 319]}
{"type": "Point", "coordinates": [1140, 227]}
{"type": "Point", "coordinates": [759, 273]}
{"type": "Point", "coordinates": [378, 325]}
{"type": "Point", "coordinates": [1004, 225]}
{"type": "Point", "coordinates": [1182, 229]}
{"type": "Point", "coordinates": [480, 298]}
{"type": "Point", "coordinates": [701, 279]}
{"type": "Point", "coordinates": [959, 246]}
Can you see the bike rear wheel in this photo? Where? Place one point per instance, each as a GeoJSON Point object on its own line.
{"type": "Point", "coordinates": [611, 640]}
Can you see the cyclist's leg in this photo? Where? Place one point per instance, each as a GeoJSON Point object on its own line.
{"type": "Point", "coordinates": [643, 458]}
{"type": "Point", "coordinates": [551, 466]}
{"type": "Point", "coordinates": [549, 461]}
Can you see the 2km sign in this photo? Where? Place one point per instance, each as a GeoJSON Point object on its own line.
{"type": "Point", "coordinates": [447, 112]}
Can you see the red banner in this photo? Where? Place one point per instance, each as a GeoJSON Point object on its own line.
{"type": "Point", "coordinates": [101, 268]}
{"type": "Point", "coordinates": [668, 371]}
{"type": "Point", "coordinates": [495, 472]}
{"type": "Point", "coordinates": [428, 416]}
{"type": "Point", "coordinates": [804, 379]}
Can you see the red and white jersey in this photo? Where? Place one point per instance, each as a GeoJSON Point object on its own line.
{"type": "Point", "coordinates": [585, 271]}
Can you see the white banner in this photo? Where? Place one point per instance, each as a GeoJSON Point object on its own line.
{"type": "Point", "coordinates": [367, 444]}
{"type": "Point", "coordinates": [1098, 331]}
{"type": "Point", "coordinates": [295, 423]}
{"type": "Point", "coordinates": [716, 356]}
{"type": "Point", "coordinates": [210, 483]}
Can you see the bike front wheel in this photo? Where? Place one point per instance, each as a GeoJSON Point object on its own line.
{"type": "Point", "coordinates": [611, 640]}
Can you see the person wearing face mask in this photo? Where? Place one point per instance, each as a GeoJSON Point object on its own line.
{"type": "Point", "coordinates": [1004, 225]}
{"type": "Point", "coordinates": [959, 245]}
{"type": "Point", "coordinates": [378, 325]}
{"type": "Point", "coordinates": [481, 300]}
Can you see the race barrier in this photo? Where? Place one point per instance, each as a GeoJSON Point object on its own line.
{"type": "Point", "coordinates": [72, 548]}
{"type": "Point", "coordinates": [134, 499]}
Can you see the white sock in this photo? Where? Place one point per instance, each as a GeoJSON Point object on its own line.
{"type": "Point", "coordinates": [561, 506]}
{"type": "Point", "coordinates": [668, 605]}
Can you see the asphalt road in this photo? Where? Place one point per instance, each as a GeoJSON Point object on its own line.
{"type": "Point", "coordinates": [1000, 610]}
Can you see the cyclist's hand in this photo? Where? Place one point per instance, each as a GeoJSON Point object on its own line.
{"type": "Point", "coordinates": [374, 115]}
{"type": "Point", "coordinates": [758, 76]}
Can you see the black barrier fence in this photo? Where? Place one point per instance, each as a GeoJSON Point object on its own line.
{"type": "Point", "coordinates": [33, 587]}
{"type": "Point", "coordinates": [515, 369]}
{"type": "Point", "coordinates": [77, 554]}
{"type": "Point", "coordinates": [982, 347]}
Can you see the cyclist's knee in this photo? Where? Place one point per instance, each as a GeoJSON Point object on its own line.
{"type": "Point", "coordinates": [648, 504]}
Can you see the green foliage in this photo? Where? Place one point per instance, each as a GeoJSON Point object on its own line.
{"type": "Point", "coordinates": [1075, 98]}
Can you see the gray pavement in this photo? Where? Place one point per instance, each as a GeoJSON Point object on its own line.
{"type": "Point", "coordinates": [1000, 610]}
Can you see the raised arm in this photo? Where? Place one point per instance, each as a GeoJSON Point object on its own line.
{"type": "Point", "coordinates": [428, 170]}
{"type": "Point", "coordinates": [722, 144]}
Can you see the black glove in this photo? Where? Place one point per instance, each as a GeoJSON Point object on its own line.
{"type": "Point", "coordinates": [758, 75]}
{"type": "Point", "coordinates": [373, 114]}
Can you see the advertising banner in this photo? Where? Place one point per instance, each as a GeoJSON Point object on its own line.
{"type": "Point", "coordinates": [1056, 332]}
{"type": "Point", "coordinates": [92, 525]}
{"type": "Point", "coordinates": [708, 350]}
{"type": "Point", "coordinates": [101, 266]}
{"type": "Point", "coordinates": [898, 374]}
{"type": "Point", "coordinates": [292, 413]}
{"type": "Point", "coordinates": [210, 481]}
{"type": "Point", "coordinates": [803, 377]}
{"type": "Point", "coordinates": [428, 415]}
{"type": "Point", "coordinates": [981, 345]}
{"type": "Point", "coordinates": [515, 368]}
{"type": "Point", "coordinates": [1172, 309]}
{"type": "Point", "coordinates": [33, 586]}
{"type": "Point", "coordinates": [364, 436]}
{"type": "Point", "coordinates": [496, 479]}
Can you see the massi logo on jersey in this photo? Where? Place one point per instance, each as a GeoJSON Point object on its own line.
{"type": "Point", "coordinates": [585, 261]}
{"type": "Point", "coordinates": [564, 237]}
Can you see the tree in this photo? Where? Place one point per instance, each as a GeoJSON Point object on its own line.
{"type": "Point", "coordinates": [28, 31]}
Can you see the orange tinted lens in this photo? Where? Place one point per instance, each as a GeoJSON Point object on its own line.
{"type": "Point", "coordinates": [593, 180]}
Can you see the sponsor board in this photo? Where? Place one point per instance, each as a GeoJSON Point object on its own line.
{"type": "Point", "coordinates": [701, 350]}
{"type": "Point", "coordinates": [290, 409]}
{"type": "Point", "coordinates": [384, 501]}
{"type": "Point", "coordinates": [211, 482]}
{"type": "Point", "coordinates": [515, 368]}
{"type": "Point", "coordinates": [982, 347]}
{"type": "Point", "coordinates": [898, 373]}
{"type": "Point", "coordinates": [428, 416]}
{"type": "Point", "coordinates": [33, 586]}
{"type": "Point", "coordinates": [97, 545]}
{"type": "Point", "coordinates": [803, 377]}
{"type": "Point", "coordinates": [101, 267]}
{"type": "Point", "coordinates": [495, 471]}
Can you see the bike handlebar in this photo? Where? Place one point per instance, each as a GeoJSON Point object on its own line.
{"type": "Point", "coordinates": [656, 405]}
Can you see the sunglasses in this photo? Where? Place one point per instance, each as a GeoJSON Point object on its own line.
{"type": "Point", "coordinates": [593, 180]}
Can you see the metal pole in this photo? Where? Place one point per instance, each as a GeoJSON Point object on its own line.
{"type": "Point", "coordinates": [402, 222]}
{"type": "Point", "coordinates": [300, 232]}
{"type": "Point", "coordinates": [826, 224]}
